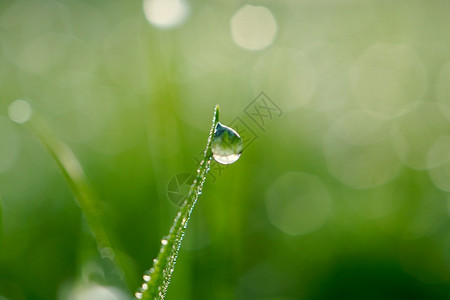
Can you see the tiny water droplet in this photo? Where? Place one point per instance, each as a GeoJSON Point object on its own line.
{"type": "Point", "coordinates": [138, 295]}
{"type": "Point", "coordinates": [144, 286]}
{"type": "Point", "coordinates": [164, 242]}
{"type": "Point", "coordinates": [226, 145]}
{"type": "Point", "coordinates": [146, 277]}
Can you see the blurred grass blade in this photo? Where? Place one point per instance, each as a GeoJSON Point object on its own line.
{"type": "Point", "coordinates": [157, 279]}
{"type": "Point", "coordinates": [1, 224]}
{"type": "Point", "coordinates": [77, 180]}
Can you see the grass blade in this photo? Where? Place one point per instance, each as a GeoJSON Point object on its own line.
{"type": "Point", "coordinates": [1, 224]}
{"type": "Point", "coordinates": [157, 279]}
{"type": "Point", "coordinates": [75, 176]}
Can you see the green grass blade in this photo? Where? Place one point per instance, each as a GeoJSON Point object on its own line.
{"type": "Point", "coordinates": [157, 279]}
{"type": "Point", "coordinates": [1, 224]}
{"type": "Point", "coordinates": [85, 196]}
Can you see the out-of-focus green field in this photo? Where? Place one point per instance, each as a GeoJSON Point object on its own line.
{"type": "Point", "coordinates": [341, 191]}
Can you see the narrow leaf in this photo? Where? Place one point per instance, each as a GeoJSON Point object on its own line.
{"type": "Point", "coordinates": [157, 278]}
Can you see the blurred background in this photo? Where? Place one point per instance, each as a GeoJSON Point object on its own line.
{"type": "Point", "coordinates": [341, 191]}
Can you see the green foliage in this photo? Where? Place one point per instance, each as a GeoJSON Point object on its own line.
{"type": "Point", "coordinates": [84, 194]}
{"type": "Point", "coordinates": [1, 223]}
{"type": "Point", "coordinates": [157, 279]}
{"type": "Point", "coordinates": [349, 184]}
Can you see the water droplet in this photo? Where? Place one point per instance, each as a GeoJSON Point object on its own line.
{"type": "Point", "coordinates": [226, 145]}
{"type": "Point", "coordinates": [144, 286]}
{"type": "Point", "coordinates": [164, 242]}
{"type": "Point", "coordinates": [138, 295]}
{"type": "Point", "coordinates": [146, 277]}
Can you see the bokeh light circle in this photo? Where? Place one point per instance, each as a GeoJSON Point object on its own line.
{"type": "Point", "coordinates": [360, 166]}
{"type": "Point", "coordinates": [253, 27]}
{"type": "Point", "coordinates": [286, 75]}
{"type": "Point", "coordinates": [359, 128]}
{"type": "Point", "coordinates": [387, 79]}
{"type": "Point", "coordinates": [166, 13]}
{"type": "Point", "coordinates": [20, 111]}
{"type": "Point", "coordinates": [443, 89]}
{"type": "Point", "coordinates": [415, 133]}
{"type": "Point", "coordinates": [93, 291]}
{"type": "Point", "coordinates": [439, 153]}
{"type": "Point", "coordinates": [439, 162]}
{"type": "Point", "coordinates": [297, 203]}
{"type": "Point", "coordinates": [442, 86]}
{"type": "Point", "coordinates": [440, 176]}
{"type": "Point", "coordinates": [331, 62]}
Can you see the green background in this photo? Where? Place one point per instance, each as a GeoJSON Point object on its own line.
{"type": "Point", "coordinates": [343, 194]}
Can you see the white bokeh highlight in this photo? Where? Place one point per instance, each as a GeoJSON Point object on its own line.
{"type": "Point", "coordinates": [166, 13]}
{"type": "Point", "coordinates": [253, 27]}
{"type": "Point", "coordinates": [93, 292]}
{"type": "Point", "coordinates": [20, 111]}
{"type": "Point", "coordinates": [287, 75]}
{"type": "Point", "coordinates": [388, 79]}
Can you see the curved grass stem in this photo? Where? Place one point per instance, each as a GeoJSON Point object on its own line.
{"type": "Point", "coordinates": [157, 278]}
{"type": "Point", "coordinates": [84, 194]}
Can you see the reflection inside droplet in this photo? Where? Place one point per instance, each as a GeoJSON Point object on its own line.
{"type": "Point", "coordinates": [226, 145]}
